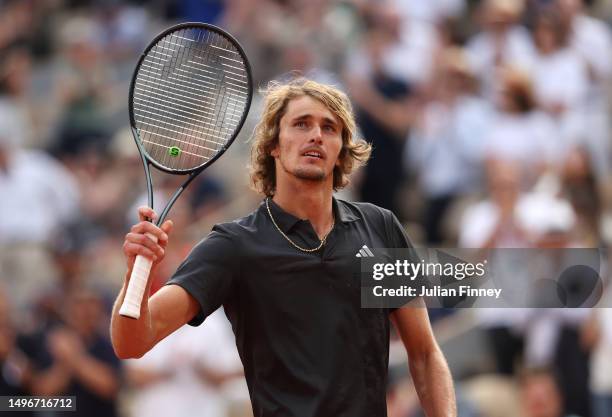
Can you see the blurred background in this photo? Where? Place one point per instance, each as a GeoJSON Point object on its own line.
{"type": "Point", "coordinates": [490, 122]}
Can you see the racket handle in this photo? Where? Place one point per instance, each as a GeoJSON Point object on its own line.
{"type": "Point", "coordinates": [137, 285]}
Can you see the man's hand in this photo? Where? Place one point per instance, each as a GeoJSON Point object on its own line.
{"type": "Point", "coordinates": [170, 307]}
{"type": "Point", "coordinates": [141, 238]}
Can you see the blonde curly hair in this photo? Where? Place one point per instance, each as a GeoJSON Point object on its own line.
{"type": "Point", "coordinates": [354, 152]}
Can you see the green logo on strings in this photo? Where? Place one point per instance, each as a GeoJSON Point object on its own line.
{"type": "Point", "coordinates": [174, 151]}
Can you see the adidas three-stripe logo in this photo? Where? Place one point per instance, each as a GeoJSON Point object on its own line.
{"type": "Point", "coordinates": [364, 252]}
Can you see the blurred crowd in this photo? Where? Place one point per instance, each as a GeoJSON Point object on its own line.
{"type": "Point", "coordinates": [490, 121]}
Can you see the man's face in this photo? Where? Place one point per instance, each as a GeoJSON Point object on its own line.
{"type": "Point", "coordinates": [541, 397]}
{"type": "Point", "coordinates": [309, 142]}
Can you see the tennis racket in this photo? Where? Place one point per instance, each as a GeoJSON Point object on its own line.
{"type": "Point", "coordinates": [189, 97]}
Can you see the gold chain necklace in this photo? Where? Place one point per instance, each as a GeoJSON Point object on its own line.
{"type": "Point", "coordinates": [291, 241]}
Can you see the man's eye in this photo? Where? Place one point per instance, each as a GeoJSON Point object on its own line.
{"type": "Point", "coordinates": [300, 124]}
{"type": "Point", "coordinates": [329, 128]}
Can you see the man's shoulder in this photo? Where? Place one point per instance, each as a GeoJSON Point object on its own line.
{"type": "Point", "coordinates": [239, 227]}
{"type": "Point", "coordinates": [227, 236]}
{"type": "Point", "coordinates": [364, 210]}
{"type": "Point", "coordinates": [250, 223]}
{"type": "Point", "coordinates": [378, 219]}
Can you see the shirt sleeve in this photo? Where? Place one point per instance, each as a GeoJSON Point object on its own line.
{"type": "Point", "coordinates": [209, 272]}
{"type": "Point", "coordinates": [398, 239]}
{"type": "Point", "coordinates": [396, 234]}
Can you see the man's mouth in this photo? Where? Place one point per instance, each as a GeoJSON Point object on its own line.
{"type": "Point", "coordinates": [313, 154]}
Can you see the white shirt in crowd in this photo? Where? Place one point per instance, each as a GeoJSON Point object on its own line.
{"type": "Point", "coordinates": [517, 50]}
{"type": "Point", "coordinates": [38, 195]}
{"type": "Point", "coordinates": [409, 59]}
{"type": "Point", "coordinates": [430, 11]}
{"type": "Point", "coordinates": [450, 140]}
{"type": "Point", "coordinates": [183, 392]}
{"type": "Point", "coordinates": [530, 139]}
{"type": "Point", "coordinates": [592, 40]}
{"type": "Point", "coordinates": [560, 77]}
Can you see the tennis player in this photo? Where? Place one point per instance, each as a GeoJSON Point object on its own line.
{"type": "Point", "coordinates": [286, 278]}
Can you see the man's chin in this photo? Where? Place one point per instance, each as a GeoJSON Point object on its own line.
{"type": "Point", "coordinates": [310, 174]}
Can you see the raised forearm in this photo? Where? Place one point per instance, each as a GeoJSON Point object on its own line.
{"type": "Point", "coordinates": [170, 308]}
{"type": "Point", "coordinates": [131, 338]}
{"type": "Point", "coordinates": [434, 384]}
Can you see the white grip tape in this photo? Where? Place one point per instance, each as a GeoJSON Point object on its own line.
{"type": "Point", "coordinates": [137, 285]}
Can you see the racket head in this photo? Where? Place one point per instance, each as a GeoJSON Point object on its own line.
{"type": "Point", "coordinates": [189, 97]}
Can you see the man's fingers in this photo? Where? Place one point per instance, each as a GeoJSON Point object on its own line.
{"type": "Point", "coordinates": [134, 249]}
{"type": "Point", "coordinates": [146, 213]}
{"type": "Point", "coordinates": [147, 227]}
{"type": "Point", "coordinates": [141, 238]}
{"type": "Point", "coordinates": [146, 241]}
{"type": "Point", "coordinates": [167, 226]}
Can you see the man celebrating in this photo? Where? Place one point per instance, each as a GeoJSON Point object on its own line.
{"type": "Point", "coordinates": [286, 276]}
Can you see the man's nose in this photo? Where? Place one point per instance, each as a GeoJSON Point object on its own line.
{"type": "Point", "coordinates": [315, 135]}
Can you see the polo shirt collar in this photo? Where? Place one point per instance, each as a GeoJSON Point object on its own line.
{"type": "Point", "coordinates": [286, 221]}
{"type": "Point", "coordinates": [283, 219]}
{"type": "Point", "coordinates": [342, 212]}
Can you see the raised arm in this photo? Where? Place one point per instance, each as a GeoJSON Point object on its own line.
{"type": "Point", "coordinates": [170, 308]}
{"type": "Point", "coordinates": [428, 368]}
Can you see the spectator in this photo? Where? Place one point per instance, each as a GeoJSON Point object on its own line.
{"type": "Point", "coordinates": [448, 137]}
{"type": "Point", "coordinates": [15, 66]}
{"type": "Point", "coordinates": [540, 394]}
{"type": "Point", "coordinates": [14, 367]}
{"type": "Point", "coordinates": [579, 184]}
{"type": "Point", "coordinates": [43, 194]}
{"type": "Point", "coordinates": [401, 48]}
{"type": "Point", "coordinates": [431, 11]}
{"type": "Point", "coordinates": [82, 88]}
{"type": "Point", "coordinates": [502, 42]}
{"type": "Point", "coordinates": [601, 361]}
{"type": "Point", "coordinates": [383, 109]}
{"type": "Point", "coordinates": [592, 40]}
{"type": "Point", "coordinates": [39, 197]}
{"type": "Point", "coordinates": [560, 81]}
{"type": "Point", "coordinates": [494, 223]}
{"type": "Point", "coordinates": [193, 364]}
{"type": "Point", "coordinates": [521, 132]}
{"type": "Point", "coordinates": [76, 359]}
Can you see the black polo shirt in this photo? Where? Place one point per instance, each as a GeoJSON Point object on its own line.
{"type": "Point", "coordinates": [308, 348]}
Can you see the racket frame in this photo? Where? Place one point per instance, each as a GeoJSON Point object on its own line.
{"type": "Point", "coordinates": [139, 276]}
{"type": "Point", "coordinates": [146, 158]}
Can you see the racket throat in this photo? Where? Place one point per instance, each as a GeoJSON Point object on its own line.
{"type": "Point", "coordinates": [175, 197]}
{"type": "Point", "coordinates": [147, 169]}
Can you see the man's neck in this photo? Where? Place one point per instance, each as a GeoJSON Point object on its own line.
{"type": "Point", "coordinates": [312, 202]}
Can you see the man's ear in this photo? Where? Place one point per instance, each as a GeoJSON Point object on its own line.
{"type": "Point", "coordinates": [340, 155]}
{"type": "Point", "coordinates": [274, 152]}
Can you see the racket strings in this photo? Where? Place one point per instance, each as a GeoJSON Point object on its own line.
{"type": "Point", "coordinates": [203, 151]}
{"type": "Point", "coordinates": [190, 94]}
